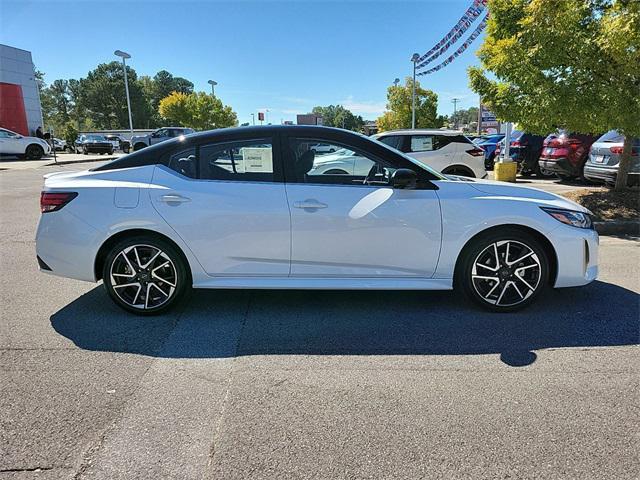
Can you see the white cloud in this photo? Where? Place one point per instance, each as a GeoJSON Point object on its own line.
{"type": "Point", "coordinates": [365, 107]}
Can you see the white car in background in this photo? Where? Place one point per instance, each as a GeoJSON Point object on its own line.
{"type": "Point", "coordinates": [447, 151]}
{"type": "Point", "coordinates": [243, 208]}
{"type": "Point", "coordinates": [14, 144]}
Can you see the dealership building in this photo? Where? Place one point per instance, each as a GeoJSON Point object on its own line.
{"type": "Point", "coordinates": [20, 108]}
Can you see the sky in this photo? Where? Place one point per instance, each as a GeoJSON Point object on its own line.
{"type": "Point", "coordinates": [285, 56]}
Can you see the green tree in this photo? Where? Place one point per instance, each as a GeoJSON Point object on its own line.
{"type": "Point", "coordinates": [103, 96]}
{"type": "Point", "coordinates": [69, 133]}
{"type": "Point", "coordinates": [464, 117]}
{"type": "Point", "coordinates": [564, 63]}
{"type": "Point", "coordinates": [161, 85]}
{"type": "Point", "coordinates": [339, 116]}
{"type": "Point", "coordinates": [399, 103]}
{"type": "Point", "coordinates": [198, 110]}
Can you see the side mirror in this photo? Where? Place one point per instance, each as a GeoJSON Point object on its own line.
{"type": "Point", "coordinates": [404, 178]}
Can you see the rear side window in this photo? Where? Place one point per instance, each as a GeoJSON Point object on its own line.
{"type": "Point", "coordinates": [184, 162]}
{"type": "Point", "coordinates": [246, 160]}
{"type": "Point", "coordinates": [423, 143]}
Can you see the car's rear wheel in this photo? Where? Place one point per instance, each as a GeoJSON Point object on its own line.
{"type": "Point", "coordinates": [503, 271]}
{"type": "Point", "coordinates": [145, 275]}
{"type": "Point", "coordinates": [138, 146]}
{"type": "Point", "coordinates": [34, 152]}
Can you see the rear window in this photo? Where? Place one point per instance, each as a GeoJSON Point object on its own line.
{"type": "Point", "coordinates": [611, 136]}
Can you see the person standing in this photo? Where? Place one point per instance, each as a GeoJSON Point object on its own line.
{"type": "Point", "coordinates": [39, 133]}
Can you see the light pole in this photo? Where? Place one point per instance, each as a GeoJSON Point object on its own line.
{"type": "Point", "coordinates": [396, 82]}
{"type": "Point", "coordinates": [213, 83]}
{"type": "Point", "coordinates": [124, 55]}
{"type": "Point", "coordinates": [253, 118]}
{"type": "Point", "coordinates": [455, 110]}
{"type": "Point", "coordinates": [414, 59]}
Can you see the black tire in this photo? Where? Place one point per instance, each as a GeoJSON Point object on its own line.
{"type": "Point", "coordinates": [459, 171]}
{"type": "Point", "coordinates": [125, 150]}
{"type": "Point", "coordinates": [147, 246]}
{"type": "Point", "coordinates": [34, 152]}
{"type": "Point", "coordinates": [138, 146]}
{"type": "Point", "coordinates": [489, 294]}
{"type": "Point", "coordinates": [84, 151]}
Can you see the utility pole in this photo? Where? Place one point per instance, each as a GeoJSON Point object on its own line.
{"type": "Point", "coordinates": [455, 119]}
{"type": "Point", "coordinates": [253, 118]}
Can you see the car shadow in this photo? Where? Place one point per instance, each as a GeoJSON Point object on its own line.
{"type": "Point", "coordinates": [226, 323]}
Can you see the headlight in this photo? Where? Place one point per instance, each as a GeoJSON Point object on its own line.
{"type": "Point", "coordinates": [570, 217]}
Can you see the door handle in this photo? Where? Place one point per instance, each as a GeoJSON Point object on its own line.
{"type": "Point", "coordinates": [174, 199]}
{"type": "Point", "coordinates": [310, 203]}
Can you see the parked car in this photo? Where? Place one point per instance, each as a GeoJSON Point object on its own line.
{"type": "Point", "coordinates": [242, 208]}
{"type": "Point", "coordinates": [565, 153]}
{"type": "Point", "coordinates": [525, 149]}
{"type": "Point", "coordinates": [604, 159]}
{"type": "Point", "coordinates": [59, 145]}
{"type": "Point", "coordinates": [447, 151]}
{"type": "Point", "coordinates": [321, 149]}
{"type": "Point", "coordinates": [488, 143]}
{"type": "Point", "coordinates": [160, 135]}
{"type": "Point", "coordinates": [119, 142]}
{"type": "Point", "coordinates": [14, 144]}
{"type": "Point", "coordinates": [92, 143]}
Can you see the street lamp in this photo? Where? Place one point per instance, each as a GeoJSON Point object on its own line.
{"type": "Point", "coordinates": [213, 83]}
{"type": "Point", "coordinates": [124, 55]}
{"type": "Point", "coordinates": [414, 59]}
{"type": "Point", "coordinates": [396, 82]}
{"type": "Point", "coordinates": [253, 118]}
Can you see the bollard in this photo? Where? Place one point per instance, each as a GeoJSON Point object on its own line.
{"type": "Point", "coordinates": [505, 171]}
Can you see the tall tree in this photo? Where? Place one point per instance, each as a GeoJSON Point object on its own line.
{"type": "Point", "coordinates": [339, 116]}
{"type": "Point", "coordinates": [103, 95]}
{"type": "Point", "coordinates": [198, 110]}
{"type": "Point", "coordinates": [564, 63]}
{"type": "Point", "coordinates": [399, 104]}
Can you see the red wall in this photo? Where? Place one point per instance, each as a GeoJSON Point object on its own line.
{"type": "Point", "coordinates": [12, 113]}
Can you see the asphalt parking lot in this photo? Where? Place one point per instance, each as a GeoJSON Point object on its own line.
{"type": "Point", "coordinates": [272, 384]}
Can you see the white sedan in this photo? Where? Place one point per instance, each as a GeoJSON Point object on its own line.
{"type": "Point", "coordinates": [246, 208]}
{"type": "Point", "coordinates": [14, 144]}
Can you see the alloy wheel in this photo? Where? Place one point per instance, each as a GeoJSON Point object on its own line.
{"type": "Point", "coordinates": [506, 273]}
{"type": "Point", "coordinates": [143, 277]}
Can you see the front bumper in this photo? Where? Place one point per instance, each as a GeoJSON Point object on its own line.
{"type": "Point", "coordinates": [577, 255]}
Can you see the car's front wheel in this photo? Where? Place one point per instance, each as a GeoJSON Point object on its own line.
{"type": "Point", "coordinates": [34, 152]}
{"type": "Point", "coordinates": [504, 270]}
{"type": "Point", "coordinates": [145, 275]}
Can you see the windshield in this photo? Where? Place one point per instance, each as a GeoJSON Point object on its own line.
{"type": "Point", "coordinates": [412, 160]}
{"type": "Point", "coordinates": [96, 138]}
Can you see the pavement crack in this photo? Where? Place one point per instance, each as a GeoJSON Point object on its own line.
{"type": "Point", "coordinates": [25, 469]}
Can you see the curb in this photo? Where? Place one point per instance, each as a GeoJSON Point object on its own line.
{"type": "Point", "coordinates": [618, 227]}
{"type": "Point", "coordinates": [71, 162]}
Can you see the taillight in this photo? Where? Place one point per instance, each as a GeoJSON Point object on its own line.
{"type": "Point", "coordinates": [476, 152]}
{"type": "Point", "coordinates": [616, 150]}
{"type": "Point", "coordinates": [54, 201]}
{"type": "Point", "coordinates": [515, 143]}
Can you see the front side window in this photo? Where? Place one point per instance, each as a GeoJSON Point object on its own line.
{"type": "Point", "coordinates": [4, 134]}
{"type": "Point", "coordinates": [340, 164]}
{"type": "Point", "coordinates": [394, 141]}
{"type": "Point", "coordinates": [245, 160]}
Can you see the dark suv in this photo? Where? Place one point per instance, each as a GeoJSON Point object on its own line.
{"type": "Point", "coordinates": [524, 149]}
{"type": "Point", "coordinates": [565, 153]}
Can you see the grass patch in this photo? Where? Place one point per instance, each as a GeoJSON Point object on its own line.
{"type": "Point", "coordinates": [609, 204]}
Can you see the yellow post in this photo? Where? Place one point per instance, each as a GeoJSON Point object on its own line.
{"type": "Point", "coordinates": [505, 171]}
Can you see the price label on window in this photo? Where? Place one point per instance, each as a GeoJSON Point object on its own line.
{"type": "Point", "coordinates": [257, 160]}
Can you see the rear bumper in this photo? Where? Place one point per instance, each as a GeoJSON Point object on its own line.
{"type": "Point", "coordinates": [605, 174]}
{"type": "Point", "coordinates": [559, 165]}
{"type": "Point", "coordinates": [98, 148]}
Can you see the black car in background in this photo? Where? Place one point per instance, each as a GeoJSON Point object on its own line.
{"type": "Point", "coordinates": [119, 142]}
{"type": "Point", "coordinates": [93, 144]}
{"type": "Point", "coordinates": [525, 149]}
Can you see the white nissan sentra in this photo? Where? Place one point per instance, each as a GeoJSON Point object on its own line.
{"type": "Point", "coordinates": [248, 208]}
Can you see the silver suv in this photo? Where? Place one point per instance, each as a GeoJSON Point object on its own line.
{"type": "Point", "coordinates": [160, 135]}
{"type": "Point", "coordinates": [604, 158]}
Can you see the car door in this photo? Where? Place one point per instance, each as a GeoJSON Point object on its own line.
{"type": "Point", "coordinates": [227, 201]}
{"type": "Point", "coordinates": [357, 225]}
{"type": "Point", "coordinates": [433, 150]}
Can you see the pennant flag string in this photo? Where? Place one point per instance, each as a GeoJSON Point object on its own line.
{"type": "Point", "coordinates": [473, 12]}
{"type": "Point", "coordinates": [475, 34]}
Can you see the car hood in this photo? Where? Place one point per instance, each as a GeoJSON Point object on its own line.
{"type": "Point", "coordinates": [509, 191]}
